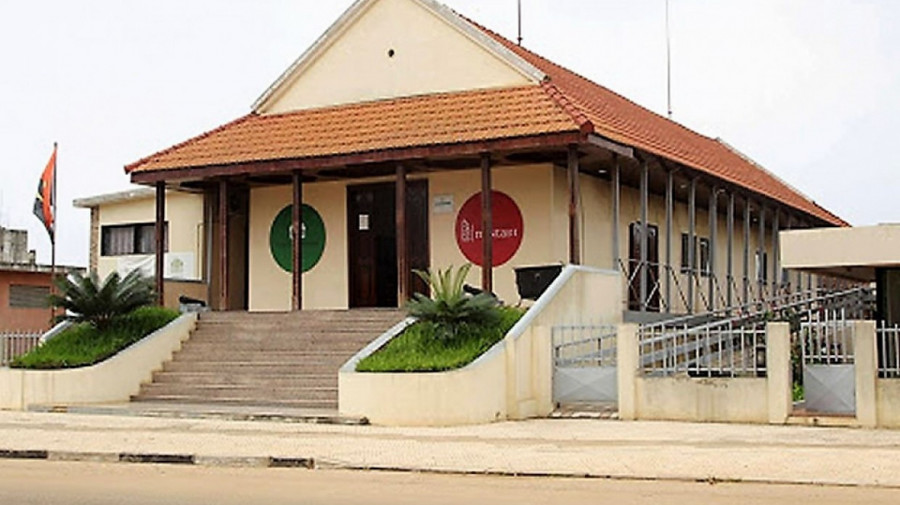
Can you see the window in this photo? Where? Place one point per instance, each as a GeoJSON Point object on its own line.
{"type": "Point", "coordinates": [28, 297]}
{"type": "Point", "coordinates": [762, 269]}
{"type": "Point", "coordinates": [121, 240]}
{"type": "Point", "coordinates": [701, 255]}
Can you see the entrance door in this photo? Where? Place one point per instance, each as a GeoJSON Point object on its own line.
{"type": "Point", "coordinates": [372, 241]}
{"type": "Point", "coordinates": [634, 265]}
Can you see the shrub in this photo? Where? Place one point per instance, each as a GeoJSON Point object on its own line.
{"type": "Point", "coordinates": [86, 300]}
{"type": "Point", "coordinates": [450, 309]}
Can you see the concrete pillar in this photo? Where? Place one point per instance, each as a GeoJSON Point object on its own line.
{"type": "Point", "coordinates": [866, 361]}
{"type": "Point", "coordinates": [627, 370]}
{"type": "Point", "coordinates": [542, 369]}
{"type": "Point", "coordinates": [778, 372]}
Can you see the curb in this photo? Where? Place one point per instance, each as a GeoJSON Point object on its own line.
{"type": "Point", "coordinates": [313, 464]}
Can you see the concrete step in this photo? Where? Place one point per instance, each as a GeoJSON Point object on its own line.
{"type": "Point", "coordinates": [253, 368]}
{"type": "Point", "coordinates": [230, 354]}
{"type": "Point", "coordinates": [277, 380]}
{"type": "Point", "coordinates": [213, 391]}
{"type": "Point", "coordinates": [296, 403]}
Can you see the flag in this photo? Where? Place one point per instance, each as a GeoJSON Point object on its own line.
{"type": "Point", "coordinates": [43, 202]}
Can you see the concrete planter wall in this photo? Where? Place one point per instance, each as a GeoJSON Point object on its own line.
{"type": "Point", "coordinates": [113, 380]}
{"type": "Point", "coordinates": [513, 380]}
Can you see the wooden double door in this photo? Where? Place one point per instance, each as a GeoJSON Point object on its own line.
{"type": "Point", "coordinates": [372, 242]}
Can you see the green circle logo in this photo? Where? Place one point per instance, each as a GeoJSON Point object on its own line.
{"type": "Point", "coordinates": [281, 238]}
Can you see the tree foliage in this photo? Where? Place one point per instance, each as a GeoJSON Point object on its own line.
{"type": "Point", "coordinates": [86, 299]}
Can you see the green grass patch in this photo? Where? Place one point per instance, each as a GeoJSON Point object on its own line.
{"type": "Point", "coordinates": [83, 345]}
{"type": "Point", "coordinates": [418, 350]}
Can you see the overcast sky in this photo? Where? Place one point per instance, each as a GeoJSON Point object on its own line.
{"type": "Point", "coordinates": [808, 88]}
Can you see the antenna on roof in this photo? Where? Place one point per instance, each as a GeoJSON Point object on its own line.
{"type": "Point", "coordinates": [668, 63]}
{"type": "Point", "coordinates": [520, 22]}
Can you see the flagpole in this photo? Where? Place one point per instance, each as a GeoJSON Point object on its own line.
{"type": "Point", "coordinates": [53, 235]}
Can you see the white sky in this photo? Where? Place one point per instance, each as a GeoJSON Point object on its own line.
{"type": "Point", "coordinates": [808, 88]}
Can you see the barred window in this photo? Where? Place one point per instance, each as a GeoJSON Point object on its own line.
{"type": "Point", "coordinates": [122, 240]}
{"type": "Point", "coordinates": [28, 297]}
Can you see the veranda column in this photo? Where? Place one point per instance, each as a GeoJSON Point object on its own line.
{"type": "Point", "coordinates": [713, 243]}
{"type": "Point", "coordinates": [297, 238]}
{"type": "Point", "coordinates": [487, 226]}
{"type": "Point", "coordinates": [746, 283]}
{"type": "Point", "coordinates": [670, 204]}
{"type": "Point", "coordinates": [223, 245]}
{"type": "Point", "coordinates": [402, 250]}
{"type": "Point", "coordinates": [776, 260]}
{"type": "Point", "coordinates": [644, 271]}
{"type": "Point", "coordinates": [692, 237]}
{"type": "Point", "coordinates": [761, 252]}
{"type": "Point", "coordinates": [574, 206]}
{"type": "Point", "coordinates": [729, 275]}
{"type": "Point", "coordinates": [616, 210]}
{"type": "Point", "coordinates": [160, 231]}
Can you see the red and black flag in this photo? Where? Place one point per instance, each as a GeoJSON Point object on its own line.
{"type": "Point", "coordinates": [43, 202]}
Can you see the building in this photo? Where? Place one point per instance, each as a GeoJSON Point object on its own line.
{"type": "Point", "coordinates": [123, 238]}
{"type": "Point", "coordinates": [24, 285]}
{"type": "Point", "coordinates": [399, 149]}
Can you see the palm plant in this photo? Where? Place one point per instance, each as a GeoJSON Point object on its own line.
{"type": "Point", "coordinates": [450, 309]}
{"type": "Point", "coordinates": [85, 299]}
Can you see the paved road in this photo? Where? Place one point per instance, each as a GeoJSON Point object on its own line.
{"type": "Point", "coordinates": [46, 483]}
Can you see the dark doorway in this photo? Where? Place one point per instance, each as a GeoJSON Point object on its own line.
{"type": "Point", "coordinates": [634, 263]}
{"type": "Point", "coordinates": [372, 241]}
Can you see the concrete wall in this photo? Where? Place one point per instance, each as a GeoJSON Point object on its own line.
{"type": "Point", "coordinates": [682, 398]}
{"type": "Point", "coordinates": [22, 319]}
{"type": "Point", "coordinates": [513, 380]}
{"type": "Point", "coordinates": [113, 380]}
{"type": "Point", "coordinates": [872, 246]}
{"type": "Point", "coordinates": [429, 56]}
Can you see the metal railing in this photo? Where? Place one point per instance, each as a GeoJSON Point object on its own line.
{"type": "Point", "coordinates": [827, 338]}
{"type": "Point", "coordinates": [15, 344]}
{"type": "Point", "coordinates": [731, 342]}
{"type": "Point", "coordinates": [584, 345]}
{"type": "Point", "coordinates": [888, 339]}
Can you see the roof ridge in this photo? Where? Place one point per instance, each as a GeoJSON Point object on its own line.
{"type": "Point", "coordinates": [578, 115]}
{"type": "Point", "coordinates": [145, 159]}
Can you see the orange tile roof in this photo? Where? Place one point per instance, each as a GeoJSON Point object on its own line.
{"type": "Point", "coordinates": [564, 103]}
{"type": "Point", "coordinates": [426, 120]}
{"type": "Point", "coordinates": [622, 120]}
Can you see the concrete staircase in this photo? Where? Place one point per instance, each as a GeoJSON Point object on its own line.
{"type": "Point", "coordinates": [285, 359]}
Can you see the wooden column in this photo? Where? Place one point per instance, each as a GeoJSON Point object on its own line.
{"type": "Point", "coordinates": [760, 282]}
{"type": "Point", "coordinates": [616, 210]}
{"type": "Point", "coordinates": [713, 212]}
{"type": "Point", "coordinates": [776, 263]}
{"type": "Point", "coordinates": [223, 245]}
{"type": "Point", "coordinates": [729, 276]}
{"type": "Point", "coordinates": [297, 246]}
{"type": "Point", "coordinates": [160, 230]}
{"type": "Point", "coordinates": [487, 225]}
{"type": "Point", "coordinates": [574, 207]}
{"type": "Point", "coordinates": [644, 271]}
{"type": "Point", "coordinates": [670, 210]}
{"type": "Point", "coordinates": [746, 285]}
{"type": "Point", "coordinates": [692, 237]}
{"type": "Point", "coordinates": [402, 234]}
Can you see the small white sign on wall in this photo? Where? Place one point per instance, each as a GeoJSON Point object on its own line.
{"type": "Point", "coordinates": [443, 204]}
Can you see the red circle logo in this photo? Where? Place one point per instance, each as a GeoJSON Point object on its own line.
{"type": "Point", "coordinates": [508, 228]}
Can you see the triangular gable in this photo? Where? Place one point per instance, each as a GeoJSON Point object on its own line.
{"type": "Point", "coordinates": [382, 49]}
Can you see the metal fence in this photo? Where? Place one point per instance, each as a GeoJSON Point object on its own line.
{"type": "Point", "coordinates": [13, 345]}
{"type": "Point", "coordinates": [827, 338]}
{"type": "Point", "coordinates": [718, 349]}
{"type": "Point", "coordinates": [888, 338]}
{"type": "Point", "coordinates": [584, 345]}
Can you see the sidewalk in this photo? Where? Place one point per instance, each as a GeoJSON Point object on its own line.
{"type": "Point", "coordinates": [564, 447]}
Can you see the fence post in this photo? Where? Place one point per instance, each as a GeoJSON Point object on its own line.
{"type": "Point", "coordinates": [778, 372]}
{"type": "Point", "coordinates": [866, 366]}
{"type": "Point", "coordinates": [627, 366]}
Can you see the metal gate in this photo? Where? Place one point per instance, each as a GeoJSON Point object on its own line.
{"type": "Point", "coordinates": [829, 370]}
{"type": "Point", "coordinates": [584, 364]}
